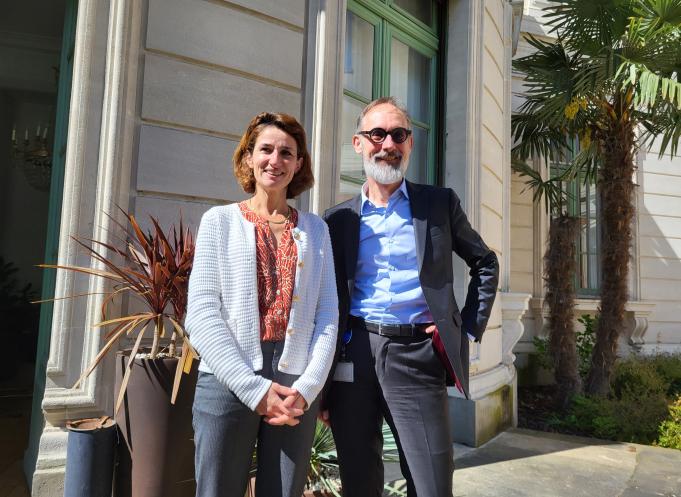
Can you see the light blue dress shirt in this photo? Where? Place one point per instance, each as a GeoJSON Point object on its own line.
{"type": "Point", "coordinates": [387, 287]}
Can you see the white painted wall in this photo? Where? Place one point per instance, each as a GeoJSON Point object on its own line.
{"type": "Point", "coordinates": [659, 256]}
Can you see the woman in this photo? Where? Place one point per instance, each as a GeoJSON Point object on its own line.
{"type": "Point", "coordinates": [262, 313]}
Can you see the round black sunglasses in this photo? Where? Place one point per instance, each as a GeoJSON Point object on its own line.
{"type": "Point", "coordinates": [378, 135]}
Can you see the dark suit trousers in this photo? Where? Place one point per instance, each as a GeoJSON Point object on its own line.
{"type": "Point", "coordinates": [402, 381]}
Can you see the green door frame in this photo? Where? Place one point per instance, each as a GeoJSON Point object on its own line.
{"type": "Point", "coordinates": [52, 240]}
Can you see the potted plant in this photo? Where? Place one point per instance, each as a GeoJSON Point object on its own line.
{"type": "Point", "coordinates": [151, 268]}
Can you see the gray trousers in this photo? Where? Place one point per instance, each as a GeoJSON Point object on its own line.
{"type": "Point", "coordinates": [402, 381]}
{"type": "Point", "coordinates": [225, 433]}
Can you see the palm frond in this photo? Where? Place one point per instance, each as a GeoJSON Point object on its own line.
{"type": "Point", "coordinates": [398, 488]}
{"type": "Point", "coordinates": [551, 189]}
{"type": "Point", "coordinates": [548, 85]}
{"type": "Point", "coordinates": [650, 86]}
{"type": "Point", "coordinates": [587, 162]}
{"type": "Point", "coordinates": [560, 89]}
{"type": "Point", "coordinates": [662, 124]}
{"type": "Point", "coordinates": [658, 15]}
{"type": "Point", "coordinates": [534, 138]}
{"type": "Point", "coordinates": [589, 26]}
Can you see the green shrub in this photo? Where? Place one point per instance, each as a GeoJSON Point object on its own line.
{"type": "Point", "coordinates": [669, 367]}
{"type": "Point", "coordinates": [670, 429]}
{"type": "Point", "coordinates": [637, 379]}
{"type": "Point", "coordinates": [638, 408]}
{"type": "Point", "coordinates": [625, 420]}
{"type": "Point", "coordinates": [632, 412]}
{"type": "Point", "coordinates": [639, 421]}
{"type": "Point", "coordinates": [590, 416]}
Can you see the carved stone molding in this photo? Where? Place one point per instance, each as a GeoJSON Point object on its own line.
{"type": "Point", "coordinates": [514, 306]}
{"type": "Point", "coordinates": [636, 318]}
{"type": "Point", "coordinates": [641, 312]}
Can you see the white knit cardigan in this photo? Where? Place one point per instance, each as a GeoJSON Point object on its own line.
{"type": "Point", "coordinates": [223, 319]}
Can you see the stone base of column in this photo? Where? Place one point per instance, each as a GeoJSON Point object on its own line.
{"type": "Point", "coordinates": [474, 422]}
{"type": "Point", "coordinates": [48, 477]}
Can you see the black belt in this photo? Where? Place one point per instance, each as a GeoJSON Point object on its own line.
{"type": "Point", "coordinates": [389, 330]}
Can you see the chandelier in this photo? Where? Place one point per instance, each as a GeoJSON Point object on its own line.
{"type": "Point", "coordinates": [33, 158]}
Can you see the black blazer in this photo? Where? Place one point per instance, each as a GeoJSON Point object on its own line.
{"type": "Point", "coordinates": [440, 228]}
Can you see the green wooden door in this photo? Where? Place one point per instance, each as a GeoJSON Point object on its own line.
{"type": "Point", "coordinates": [52, 240]}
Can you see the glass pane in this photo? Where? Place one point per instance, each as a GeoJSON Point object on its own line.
{"type": "Point", "coordinates": [583, 243]}
{"type": "Point", "coordinates": [410, 79]}
{"type": "Point", "coordinates": [352, 169]}
{"type": "Point", "coordinates": [593, 235]}
{"type": "Point", "coordinates": [359, 55]}
{"type": "Point", "coordinates": [418, 162]}
{"type": "Point", "coordinates": [594, 271]}
{"type": "Point", "coordinates": [420, 9]}
{"type": "Point", "coordinates": [583, 271]}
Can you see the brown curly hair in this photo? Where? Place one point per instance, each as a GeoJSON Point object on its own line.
{"type": "Point", "coordinates": [302, 179]}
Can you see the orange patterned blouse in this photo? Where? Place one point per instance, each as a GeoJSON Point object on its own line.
{"type": "Point", "coordinates": [276, 269]}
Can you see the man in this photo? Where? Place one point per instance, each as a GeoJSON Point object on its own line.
{"type": "Point", "coordinates": [404, 334]}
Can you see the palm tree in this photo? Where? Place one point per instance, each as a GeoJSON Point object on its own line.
{"type": "Point", "coordinates": [611, 78]}
{"type": "Point", "coordinates": [560, 264]}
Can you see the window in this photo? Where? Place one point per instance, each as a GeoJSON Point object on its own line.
{"type": "Point", "coordinates": [583, 202]}
{"type": "Point", "coordinates": [391, 48]}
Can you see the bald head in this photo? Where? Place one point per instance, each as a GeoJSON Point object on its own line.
{"type": "Point", "coordinates": [383, 101]}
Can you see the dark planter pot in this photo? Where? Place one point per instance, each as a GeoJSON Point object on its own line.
{"type": "Point", "coordinates": [90, 458]}
{"type": "Point", "coordinates": [156, 449]}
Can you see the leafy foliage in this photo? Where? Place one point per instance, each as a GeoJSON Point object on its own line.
{"type": "Point", "coordinates": [152, 268]}
{"type": "Point", "coordinates": [323, 461]}
{"type": "Point", "coordinates": [585, 338]}
{"type": "Point", "coordinates": [670, 429]}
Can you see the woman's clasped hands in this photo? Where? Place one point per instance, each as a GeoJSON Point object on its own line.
{"type": "Point", "coordinates": [281, 405]}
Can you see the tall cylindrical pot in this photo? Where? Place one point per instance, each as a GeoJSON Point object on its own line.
{"type": "Point", "coordinates": [90, 458]}
{"type": "Point", "coordinates": [156, 451]}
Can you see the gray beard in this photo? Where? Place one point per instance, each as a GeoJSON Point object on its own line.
{"type": "Point", "coordinates": [384, 174]}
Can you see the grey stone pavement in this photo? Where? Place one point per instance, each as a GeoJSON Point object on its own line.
{"type": "Point", "coordinates": [536, 464]}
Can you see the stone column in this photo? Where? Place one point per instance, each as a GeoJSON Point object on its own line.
{"type": "Point", "coordinates": [96, 181]}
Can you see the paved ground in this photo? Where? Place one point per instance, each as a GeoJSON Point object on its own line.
{"type": "Point", "coordinates": [514, 464]}
{"type": "Point", "coordinates": [536, 464]}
